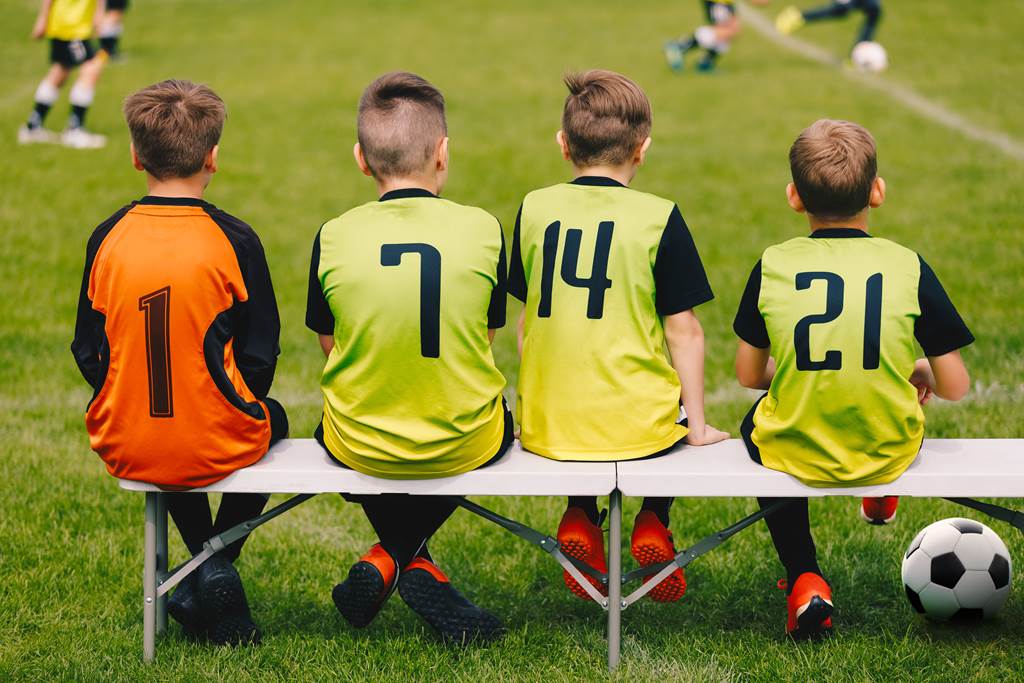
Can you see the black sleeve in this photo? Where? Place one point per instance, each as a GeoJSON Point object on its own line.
{"type": "Point", "coordinates": [257, 324]}
{"type": "Point", "coordinates": [939, 329]}
{"type": "Point", "coordinates": [679, 278]}
{"type": "Point", "coordinates": [749, 324]}
{"type": "Point", "coordinates": [89, 344]}
{"type": "Point", "coordinates": [516, 272]}
{"type": "Point", "coordinates": [496, 310]}
{"type": "Point", "coordinates": [318, 313]}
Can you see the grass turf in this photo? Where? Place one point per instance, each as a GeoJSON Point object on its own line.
{"type": "Point", "coordinates": [291, 73]}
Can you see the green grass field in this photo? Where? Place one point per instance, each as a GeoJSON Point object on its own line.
{"type": "Point", "coordinates": [291, 73]}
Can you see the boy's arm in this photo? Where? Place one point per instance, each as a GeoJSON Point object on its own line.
{"type": "Point", "coordinates": [941, 332]}
{"type": "Point", "coordinates": [517, 279]}
{"type": "Point", "coordinates": [39, 28]}
{"type": "Point", "coordinates": [318, 313]}
{"type": "Point", "coordinates": [755, 368]}
{"type": "Point", "coordinates": [258, 333]}
{"type": "Point", "coordinates": [499, 295]}
{"type": "Point", "coordinates": [326, 343]}
{"type": "Point", "coordinates": [685, 338]}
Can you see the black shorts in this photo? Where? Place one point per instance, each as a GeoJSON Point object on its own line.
{"type": "Point", "coordinates": [71, 53]}
{"type": "Point", "coordinates": [121, 5]}
{"type": "Point", "coordinates": [719, 12]}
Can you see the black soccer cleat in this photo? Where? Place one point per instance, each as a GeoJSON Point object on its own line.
{"type": "Point", "coordinates": [224, 607]}
{"type": "Point", "coordinates": [184, 608]}
{"type": "Point", "coordinates": [457, 621]}
{"type": "Point", "coordinates": [370, 583]}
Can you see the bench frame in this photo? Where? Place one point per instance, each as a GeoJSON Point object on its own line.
{"type": "Point", "coordinates": [158, 580]}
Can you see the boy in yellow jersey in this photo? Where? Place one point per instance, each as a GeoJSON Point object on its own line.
{"type": "Point", "coordinates": [827, 325]}
{"type": "Point", "coordinates": [594, 382]}
{"type": "Point", "coordinates": [69, 25]}
{"type": "Point", "coordinates": [406, 294]}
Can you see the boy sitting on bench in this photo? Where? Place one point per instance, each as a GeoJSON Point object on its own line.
{"type": "Point", "coordinates": [827, 325]}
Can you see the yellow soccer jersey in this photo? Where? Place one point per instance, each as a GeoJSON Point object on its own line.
{"type": "Point", "coordinates": [597, 264]}
{"type": "Point", "coordinates": [841, 310]}
{"type": "Point", "coordinates": [408, 286]}
{"type": "Point", "coordinates": [71, 19]}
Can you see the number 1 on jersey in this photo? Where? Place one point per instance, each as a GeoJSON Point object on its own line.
{"type": "Point", "coordinates": [157, 307]}
{"type": "Point", "coordinates": [430, 291]}
{"type": "Point", "coordinates": [598, 281]}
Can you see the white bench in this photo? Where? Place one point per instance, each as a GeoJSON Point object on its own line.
{"type": "Point", "coordinates": [949, 468]}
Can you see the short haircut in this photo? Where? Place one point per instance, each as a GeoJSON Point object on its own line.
{"type": "Point", "coordinates": [834, 166]}
{"type": "Point", "coordinates": [174, 124]}
{"type": "Point", "coordinates": [606, 117]}
{"type": "Point", "coordinates": [401, 119]}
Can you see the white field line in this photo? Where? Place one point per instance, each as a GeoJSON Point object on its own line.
{"type": "Point", "coordinates": [906, 96]}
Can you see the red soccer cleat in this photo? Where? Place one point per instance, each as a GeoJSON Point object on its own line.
{"type": "Point", "coordinates": [879, 510]}
{"type": "Point", "coordinates": [652, 544]}
{"type": "Point", "coordinates": [810, 607]}
{"type": "Point", "coordinates": [581, 539]}
{"type": "Point", "coordinates": [370, 582]}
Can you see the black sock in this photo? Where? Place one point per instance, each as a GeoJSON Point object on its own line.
{"type": "Point", "coordinates": [710, 56]}
{"type": "Point", "coordinates": [588, 504]}
{"type": "Point", "coordinates": [687, 44]}
{"type": "Point", "coordinates": [236, 508]}
{"type": "Point", "coordinates": [77, 118]}
{"type": "Point", "coordinates": [109, 44]}
{"type": "Point", "coordinates": [790, 528]}
{"type": "Point", "coordinates": [405, 523]}
{"type": "Point", "coordinates": [658, 506]}
{"type": "Point", "coordinates": [38, 115]}
{"type": "Point", "coordinates": [191, 514]}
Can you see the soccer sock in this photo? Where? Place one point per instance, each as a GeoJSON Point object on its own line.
{"type": "Point", "coordinates": [790, 529]}
{"type": "Point", "coordinates": [81, 97]}
{"type": "Point", "coordinates": [706, 37]}
{"type": "Point", "coordinates": [405, 523]}
{"type": "Point", "coordinates": [109, 37]}
{"type": "Point", "coordinates": [46, 96]}
{"type": "Point", "coordinates": [588, 504]}
{"type": "Point", "coordinates": [234, 509]}
{"type": "Point", "coordinates": [191, 514]}
{"type": "Point", "coordinates": [659, 506]}
{"type": "Point", "coordinates": [832, 11]}
{"type": "Point", "coordinates": [688, 43]}
{"type": "Point", "coordinates": [872, 15]}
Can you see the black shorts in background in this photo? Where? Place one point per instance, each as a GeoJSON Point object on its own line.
{"type": "Point", "coordinates": [71, 53]}
{"type": "Point", "coordinates": [121, 5]}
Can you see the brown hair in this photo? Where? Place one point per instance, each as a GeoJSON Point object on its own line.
{"type": "Point", "coordinates": [834, 166]}
{"type": "Point", "coordinates": [606, 117]}
{"type": "Point", "coordinates": [401, 119]}
{"type": "Point", "coordinates": [174, 124]}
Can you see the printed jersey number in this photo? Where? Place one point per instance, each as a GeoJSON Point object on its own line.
{"type": "Point", "coordinates": [834, 291]}
{"type": "Point", "coordinates": [157, 307]}
{"type": "Point", "coordinates": [598, 281]}
{"type": "Point", "coordinates": [430, 291]}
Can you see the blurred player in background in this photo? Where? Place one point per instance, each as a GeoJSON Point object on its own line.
{"type": "Point", "coordinates": [112, 26]}
{"type": "Point", "coordinates": [792, 19]}
{"type": "Point", "coordinates": [714, 37]}
{"type": "Point", "coordinates": [69, 25]}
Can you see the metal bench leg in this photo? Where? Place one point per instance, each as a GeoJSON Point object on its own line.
{"type": "Point", "coordinates": [614, 578]}
{"type": "Point", "coordinates": [161, 561]}
{"type": "Point", "coordinates": [149, 580]}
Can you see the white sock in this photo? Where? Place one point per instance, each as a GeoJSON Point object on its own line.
{"type": "Point", "coordinates": [111, 31]}
{"type": "Point", "coordinates": [47, 93]}
{"type": "Point", "coordinates": [706, 37]}
{"type": "Point", "coordinates": [81, 95]}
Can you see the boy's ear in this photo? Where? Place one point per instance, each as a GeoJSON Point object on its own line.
{"type": "Point", "coordinates": [135, 158]}
{"type": "Point", "coordinates": [357, 152]}
{"type": "Point", "coordinates": [562, 144]}
{"type": "Point", "coordinates": [793, 197]}
{"type": "Point", "coordinates": [210, 163]}
{"type": "Point", "coordinates": [877, 193]}
{"type": "Point", "coordinates": [641, 152]}
{"type": "Point", "coordinates": [442, 154]}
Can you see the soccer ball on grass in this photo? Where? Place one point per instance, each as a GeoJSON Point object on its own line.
{"type": "Point", "coordinates": [869, 56]}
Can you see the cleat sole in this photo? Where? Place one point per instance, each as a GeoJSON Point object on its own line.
{"type": "Point", "coordinates": [811, 622]}
{"type": "Point", "coordinates": [579, 550]}
{"type": "Point", "coordinates": [358, 598]}
{"type": "Point", "coordinates": [456, 620]}
{"type": "Point", "coordinates": [671, 589]}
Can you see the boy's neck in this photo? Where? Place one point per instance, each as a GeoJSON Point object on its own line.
{"type": "Point", "coordinates": [858, 222]}
{"type": "Point", "coordinates": [623, 173]}
{"type": "Point", "coordinates": [385, 185]}
{"type": "Point", "coordinates": [192, 187]}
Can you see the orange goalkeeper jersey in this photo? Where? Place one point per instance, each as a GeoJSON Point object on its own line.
{"type": "Point", "coordinates": [177, 333]}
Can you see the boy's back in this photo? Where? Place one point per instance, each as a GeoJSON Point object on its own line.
{"type": "Point", "coordinates": [598, 264]}
{"type": "Point", "coordinates": [167, 288]}
{"type": "Point", "coordinates": [416, 278]}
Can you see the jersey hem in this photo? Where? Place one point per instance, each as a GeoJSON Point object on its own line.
{"type": "Point", "coordinates": [629, 453]}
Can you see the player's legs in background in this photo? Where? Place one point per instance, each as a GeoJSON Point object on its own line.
{"type": "Point", "coordinates": [726, 28]}
{"type": "Point", "coordinates": [45, 97]}
{"type": "Point", "coordinates": [81, 96]}
{"type": "Point", "coordinates": [110, 32]}
{"type": "Point", "coordinates": [714, 37]}
{"type": "Point", "coordinates": [872, 15]}
{"type": "Point", "coordinates": [792, 19]}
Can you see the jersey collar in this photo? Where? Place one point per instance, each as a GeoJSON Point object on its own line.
{"type": "Point", "coordinates": [838, 232]}
{"type": "Point", "coordinates": [172, 201]}
{"type": "Point", "coordinates": [406, 193]}
{"type": "Point", "coordinates": [596, 181]}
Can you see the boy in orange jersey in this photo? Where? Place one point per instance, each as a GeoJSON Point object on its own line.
{"type": "Point", "coordinates": [177, 333]}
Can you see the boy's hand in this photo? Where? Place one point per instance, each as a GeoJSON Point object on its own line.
{"type": "Point", "coordinates": [39, 28]}
{"type": "Point", "coordinates": [706, 436]}
{"type": "Point", "coordinates": [923, 380]}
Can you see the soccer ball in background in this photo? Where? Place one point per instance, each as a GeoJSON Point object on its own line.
{"type": "Point", "coordinates": [957, 569]}
{"type": "Point", "coordinates": [869, 56]}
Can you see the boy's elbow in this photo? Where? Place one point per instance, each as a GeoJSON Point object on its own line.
{"type": "Point", "coordinates": [956, 390]}
{"type": "Point", "coordinates": [747, 378]}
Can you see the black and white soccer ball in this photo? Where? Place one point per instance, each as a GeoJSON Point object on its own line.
{"type": "Point", "coordinates": [957, 569]}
